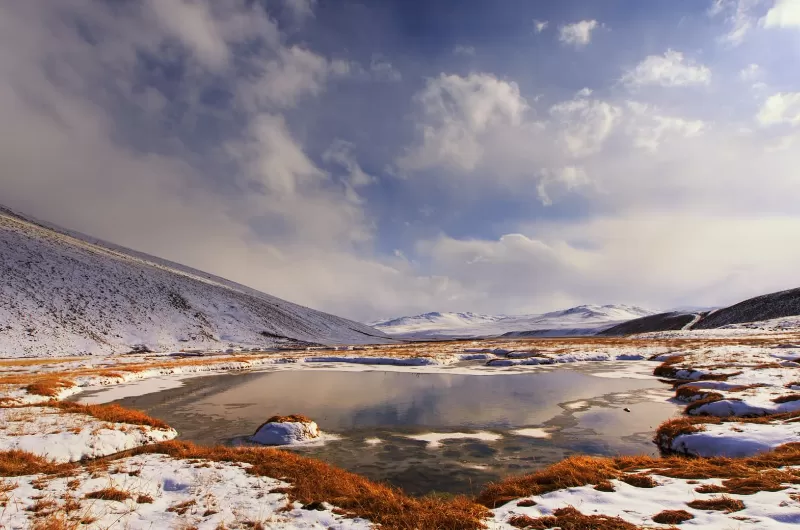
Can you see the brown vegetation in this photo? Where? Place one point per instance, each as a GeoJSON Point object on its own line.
{"type": "Point", "coordinates": [787, 398]}
{"type": "Point", "coordinates": [15, 463]}
{"type": "Point", "coordinates": [569, 518]}
{"type": "Point", "coordinates": [721, 504]}
{"type": "Point", "coordinates": [313, 480]}
{"type": "Point", "coordinates": [639, 480]}
{"type": "Point", "coordinates": [112, 413]}
{"type": "Point", "coordinates": [671, 429]}
{"type": "Point", "coordinates": [109, 494]}
{"type": "Point", "coordinates": [672, 517]}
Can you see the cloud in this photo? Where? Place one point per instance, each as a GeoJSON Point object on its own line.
{"type": "Point", "coordinates": [784, 14]}
{"type": "Point", "coordinates": [750, 73]}
{"type": "Point", "coordinates": [740, 17]}
{"type": "Point", "coordinates": [780, 108]}
{"type": "Point", "coordinates": [455, 112]}
{"type": "Point", "coordinates": [649, 127]}
{"type": "Point", "coordinates": [301, 9]}
{"type": "Point", "coordinates": [578, 34]}
{"type": "Point", "coordinates": [565, 179]}
{"type": "Point", "coordinates": [468, 51]}
{"type": "Point", "coordinates": [668, 70]}
{"type": "Point", "coordinates": [382, 70]}
{"type": "Point", "coordinates": [540, 25]}
{"type": "Point", "coordinates": [585, 124]}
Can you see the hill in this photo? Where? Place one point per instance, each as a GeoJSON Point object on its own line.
{"type": "Point", "coordinates": [64, 293]}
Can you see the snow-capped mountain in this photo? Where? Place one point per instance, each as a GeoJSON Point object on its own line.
{"type": "Point", "coordinates": [64, 293]}
{"type": "Point", "coordinates": [580, 320]}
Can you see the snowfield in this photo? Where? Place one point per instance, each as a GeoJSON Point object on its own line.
{"type": "Point", "coordinates": [581, 320]}
{"type": "Point", "coordinates": [66, 294]}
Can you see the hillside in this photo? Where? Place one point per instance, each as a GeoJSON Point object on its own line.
{"type": "Point", "coordinates": [580, 320]}
{"type": "Point", "coordinates": [671, 321]}
{"type": "Point", "coordinates": [765, 307]}
{"type": "Point", "coordinates": [64, 293]}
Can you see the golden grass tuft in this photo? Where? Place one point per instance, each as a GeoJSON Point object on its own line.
{"type": "Point", "coordinates": [111, 413]}
{"type": "Point", "coordinates": [314, 481]}
{"type": "Point", "coordinates": [672, 517]}
{"type": "Point", "coordinates": [292, 418]}
{"type": "Point", "coordinates": [15, 463]}
{"type": "Point", "coordinates": [109, 494]}
{"type": "Point", "coordinates": [720, 504]}
{"type": "Point", "coordinates": [639, 480]}
{"type": "Point", "coordinates": [787, 398]}
{"type": "Point", "coordinates": [569, 518]}
{"type": "Point", "coordinates": [49, 386]}
{"type": "Point", "coordinates": [671, 429]}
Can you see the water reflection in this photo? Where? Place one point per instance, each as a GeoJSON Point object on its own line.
{"type": "Point", "coordinates": [581, 412]}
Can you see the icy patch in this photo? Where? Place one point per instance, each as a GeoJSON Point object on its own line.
{"type": "Point", "coordinates": [373, 441]}
{"type": "Point", "coordinates": [396, 361]}
{"type": "Point", "coordinates": [435, 439]}
{"type": "Point", "coordinates": [736, 439]}
{"type": "Point", "coordinates": [532, 432]}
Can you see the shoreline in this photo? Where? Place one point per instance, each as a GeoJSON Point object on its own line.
{"type": "Point", "coordinates": [685, 361]}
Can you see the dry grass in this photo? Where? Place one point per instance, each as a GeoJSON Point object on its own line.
{"type": "Point", "coordinates": [49, 386]}
{"type": "Point", "coordinates": [569, 518]}
{"type": "Point", "coordinates": [709, 397]}
{"type": "Point", "coordinates": [17, 463]}
{"type": "Point", "coordinates": [671, 429]}
{"type": "Point", "coordinates": [144, 499]}
{"type": "Point", "coordinates": [720, 504]}
{"type": "Point", "coordinates": [639, 480]}
{"type": "Point", "coordinates": [315, 481]}
{"type": "Point", "coordinates": [56, 521]}
{"type": "Point", "coordinates": [672, 517]}
{"type": "Point", "coordinates": [744, 474]}
{"type": "Point", "coordinates": [787, 398]}
{"type": "Point", "coordinates": [111, 413]}
{"type": "Point", "coordinates": [292, 418]}
{"type": "Point", "coordinates": [668, 368]}
{"type": "Point", "coordinates": [109, 494]}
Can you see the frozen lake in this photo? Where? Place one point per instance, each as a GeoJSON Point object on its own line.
{"type": "Point", "coordinates": [528, 420]}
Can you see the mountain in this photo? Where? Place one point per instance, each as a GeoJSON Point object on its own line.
{"type": "Point", "coordinates": [65, 293]}
{"type": "Point", "coordinates": [581, 320]}
{"type": "Point", "coordinates": [765, 307]}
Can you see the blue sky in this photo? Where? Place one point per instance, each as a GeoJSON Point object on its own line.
{"type": "Point", "coordinates": [375, 159]}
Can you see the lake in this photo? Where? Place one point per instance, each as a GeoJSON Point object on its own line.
{"type": "Point", "coordinates": [527, 420]}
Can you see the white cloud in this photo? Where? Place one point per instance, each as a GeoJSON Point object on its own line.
{"type": "Point", "coordinates": [780, 108]}
{"type": "Point", "coordinates": [649, 127]}
{"type": "Point", "coordinates": [668, 70]}
{"type": "Point", "coordinates": [585, 124]}
{"type": "Point", "coordinates": [382, 70]}
{"type": "Point", "coordinates": [301, 9]}
{"type": "Point", "coordinates": [455, 113]}
{"type": "Point", "coordinates": [464, 50]}
{"type": "Point", "coordinates": [540, 25]}
{"type": "Point", "coordinates": [784, 14]}
{"type": "Point", "coordinates": [342, 153]}
{"type": "Point", "coordinates": [563, 180]}
{"type": "Point", "coordinates": [751, 72]}
{"type": "Point", "coordinates": [193, 24]}
{"type": "Point", "coordinates": [584, 93]}
{"type": "Point", "coordinates": [578, 34]}
{"type": "Point", "coordinates": [740, 16]}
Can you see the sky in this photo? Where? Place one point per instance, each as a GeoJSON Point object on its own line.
{"type": "Point", "coordinates": [378, 159]}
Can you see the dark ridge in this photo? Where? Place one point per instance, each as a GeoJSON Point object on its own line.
{"type": "Point", "coordinates": [765, 307]}
{"type": "Point", "coordinates": [661, 322]}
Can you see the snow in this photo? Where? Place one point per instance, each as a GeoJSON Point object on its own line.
{"type": "Point", "coordinates": [763, 510]}
{"type": "Point", "coordinates": [214, 494]}
{"type": "Point", "coordinates": [580, 320]}
{"type": "Point", "coordinates": [64, 294]}
{"type": "Point", "coordinates": [286, 433]}
{"type": "Point", "coordinates": [435, 439]}
{"type": "Point", "coordinates": [532, 432]}
{"type": "Point", "coordinates": [396, 361]}
{"type": "Point", "coordinates": [68, 437]}
{"type": "Point", "coordinates": [736, 439]}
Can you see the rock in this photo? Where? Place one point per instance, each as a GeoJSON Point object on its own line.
{"type": "Point", "coordinates": [626, 409]}
{"type": "Point", "coordinates": [286, 430]}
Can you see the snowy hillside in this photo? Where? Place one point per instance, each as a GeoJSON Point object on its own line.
{"type": "Point", "coordinates": [765, 307]}
{"type": "Point", "coordinates": [581, 320]}
{"type": "Point", "coordinates": [63, 293]}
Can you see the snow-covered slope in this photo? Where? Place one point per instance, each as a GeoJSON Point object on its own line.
{"type": "Point", "coordinates": [581, 320]}
{"type": "Point", "coordinates": [765, 307]}
{"type": "Point", "coordinates": [63, 293]}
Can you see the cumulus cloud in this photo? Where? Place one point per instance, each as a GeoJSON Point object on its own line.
{"type": "Point", "coordinates": [784, 14]}
{"type": "Point", "coordinates": [780, 108]}
{"type": "Point", "coordinates": [740, 15]}
{"type": "Point", "coordinates": [751, 72]}
{"type": "Point", "coordinates": [454, 113]}
{"type": "Point", "coordinates": [468, 51]}
{"type": "Point", "coordinates": [649, 127]}
{"type": "Point", "coordinates": [540, 25]}
{"type": "Point", "coordinates": [578, 34]}
{"type": "Point", "coordinates": [668, 70]}
{"type": "Point", "coordinates": [585, 124]}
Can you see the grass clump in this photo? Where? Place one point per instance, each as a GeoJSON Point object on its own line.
{"type": "Point", "coordinates": [49, 386]}
{"type": "Point", "coordinates": [672, 517]}
{"type": "Point", "coordinates": [16, 463]}
{"type": "Point", "coordinates": [787, 398]}
{"type": "Point", "coordinates": [720, 504]}
{"type": "Point", "coordinates": [109, 494]}
{"type": "Point", "coordinates": [111, 413]}
{"type": "Point", "coordinates": [639, 480]}
{"type": "Point", "coordinates": [569, 518]}
{"type": "Point", "coordinates": [292, 418]}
